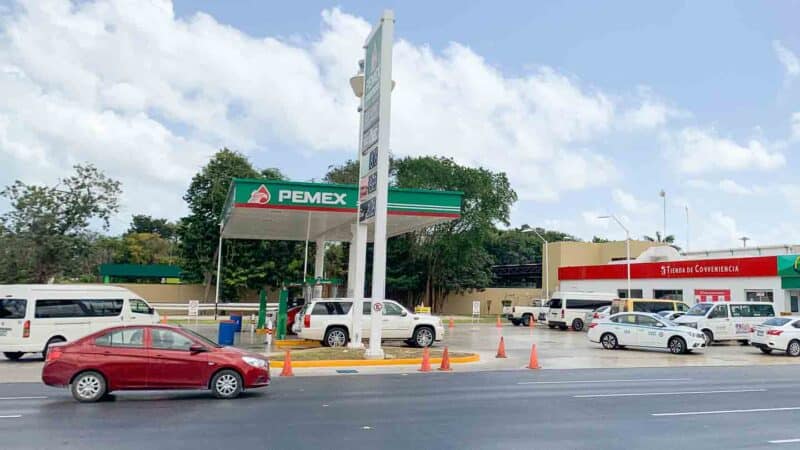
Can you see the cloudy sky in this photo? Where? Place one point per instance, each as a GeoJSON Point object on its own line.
{"type": "Point", "coordinates": [590, 108]}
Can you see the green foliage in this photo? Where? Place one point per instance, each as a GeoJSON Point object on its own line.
{"type": "Point", "coordinates": [48, 226]}
{"type": "Point", "coordinates": [247, 264]}
{"type": "Point", "coordinates": [141, 223]}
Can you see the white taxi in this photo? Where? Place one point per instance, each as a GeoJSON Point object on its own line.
{"type": "Point", "coordinates": [779, 333]}
{"type": "Point", "coordinates": [644, 330]}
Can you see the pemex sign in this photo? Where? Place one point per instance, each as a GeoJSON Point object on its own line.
{"type": "Point", "coordinates": [279, 195]}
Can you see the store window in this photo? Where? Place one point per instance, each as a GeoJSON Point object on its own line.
{"type": "Point", "coordinates": [758, 295]}
{"type": "Point", "coordinates": [635, 293]}
{"type": "Point", "coordinates": [668, 294]}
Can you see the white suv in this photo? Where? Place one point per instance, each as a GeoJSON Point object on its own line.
{"type": "Point", "coordinates": [330, 321]}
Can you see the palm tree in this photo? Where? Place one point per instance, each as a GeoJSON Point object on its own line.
{"type": "Point", "coordinates": [668, 239]}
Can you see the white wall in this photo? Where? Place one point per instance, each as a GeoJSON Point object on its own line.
{"type": "Point", "coordinates": [737, 287]}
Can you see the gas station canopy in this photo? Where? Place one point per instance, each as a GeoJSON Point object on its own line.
{"type": "Point", "coordinates": [297, 211]}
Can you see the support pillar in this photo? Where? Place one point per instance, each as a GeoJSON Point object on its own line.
{"type": "Point", "coordinates": [319, 266]}
{"type": "Point", "coordinates": [355, 277]}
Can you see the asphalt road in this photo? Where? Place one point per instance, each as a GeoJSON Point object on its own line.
{"type": "Point", "coordinates": [699, 408]}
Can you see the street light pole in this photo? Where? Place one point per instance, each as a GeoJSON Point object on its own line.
{"type": "Point", "coordinates": [663, 195]}
{"type": "Point", "coordinates": [545, 262]}
{"type": "Point", "coordinates": [627, 248]}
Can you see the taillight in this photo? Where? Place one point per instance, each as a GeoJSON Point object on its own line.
{"type": "Point", "coordinates": [26, 329]}
{"type": "Point", "coordinates": [752, 329]}
{"type": "Point", "coordinates": [592, 325]}
{"type": "Point", "coordinates": [562, 313]}
{"type": "Point", "coordinates": [54, 353]}
{"type": "Point", "coordinates": [596, 315]}
{"type": "Point", "coordinates": [307, 321]}
{"type": "Point", "coordinates": [774, 332]}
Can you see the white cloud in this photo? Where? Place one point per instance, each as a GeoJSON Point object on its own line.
{"type": "Point", "coordinates": [148, 97]}
{"type": "Point", "coordinates": [789, 60]}
{"type": "Point", "coordinates": [628, 202]}
{"type": "Point", "coordinates": [728, 186]}
{"type": "Point", "coordinates": [796, 126]}
{"type": "Point", "coordinates": [732, 187]}
{"type": "Point", "coordinates": [695, 150]}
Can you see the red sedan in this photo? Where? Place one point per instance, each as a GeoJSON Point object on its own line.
{"type": "Point", "coordinates": [151, 357]}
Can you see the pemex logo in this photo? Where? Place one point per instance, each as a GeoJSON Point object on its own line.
{"type": "Point", "coordinates": [260, 196]}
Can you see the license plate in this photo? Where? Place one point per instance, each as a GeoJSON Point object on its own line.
{"type": "Point", "coordinates": [759, 333]}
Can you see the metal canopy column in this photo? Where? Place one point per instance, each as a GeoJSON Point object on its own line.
{"type": "Point", "coordinates": [319, 266]}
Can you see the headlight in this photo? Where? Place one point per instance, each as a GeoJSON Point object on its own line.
{"type": "Point", "coordinates": [255, 362]}
{"type": "Point", "coordinates": [690, 324]}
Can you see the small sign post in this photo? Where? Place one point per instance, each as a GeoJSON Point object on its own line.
{"type": "Point", "coordinates": [194, 311]}
{"type": "Point", "coordinates": [476, 314]}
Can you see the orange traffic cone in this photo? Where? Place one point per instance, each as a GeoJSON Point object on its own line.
{"type": "Point", "coordinates": [426, 360]}
{"type": "Point", "coordinates": [534, 363]}
{"type": "Point", "coordinates": [452, 324]}
{"type": "Point", "coordinates": [530, 322]}
{"type": "Point", "coordinates": [501, 349]}
{"type": "Point", "coordinates": [499, 324]}
{"type": "Point", "coordinates": [164, 319]}
{"type": "Point", "coordinates": [445, 361]}
{"type": "Point", "coordinates": [287, 365]}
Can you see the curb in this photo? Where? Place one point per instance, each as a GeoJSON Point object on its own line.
{"type": "Point", "coordinates": [303, 344]}
{"type": "Point", "coordinates": [375, 362]}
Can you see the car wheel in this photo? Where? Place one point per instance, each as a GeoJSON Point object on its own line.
{"type": "Point", "coordinates": [552, 327]}
{"type": "Point", "coordinates": [708, 337]}
{"type": "Point", "coordinates": [226, 384]}
{"type": "Point", "coordinates": [766, 350]}
{"type": "Point", "coordinates": [577, 325]}
{"type": "Point", "coordinates": [676, 345]}
{"type": "Point", "coordinates": [89, 387]}
{"type": "Point", "coordinates": [423, 337]}
{"type": "Point", "coordinates": [794, 348]}
{"type": "Point", "coordinates": [609, 341]}
{"type": "Point", "coordinates": [516, 323]}
{"type": "Point", "coordinates": [13, 356]}
{"type": "Point", "coordinates": [526, 320]}
{"type": "Point", "coordinates": [49, 343]}
{"type": "Point", "coordinates": [335, 337]}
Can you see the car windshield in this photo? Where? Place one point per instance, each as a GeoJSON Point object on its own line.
{"type": "Point", "coordinates": [699, 309]}
{"type": "Point", "coordinates": [201, 338]}
{"type": "Point", "coordinates": [777, 321]}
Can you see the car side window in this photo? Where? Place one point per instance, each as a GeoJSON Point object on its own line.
{"type": "Point", "coordinates": [719, 312]}
{"type": "Point", "coordinates": [629, 319]}
{"type": "Point", "coordinates": [129, 337]}
{"type": "Point", "coordinates": [170, 340]}
{"type": "Point", "coordinates": [366, 309]}
{"type": "Point", "coordinates": [390, 309]}
{"type": "Point", "coordinates": [140, 307]}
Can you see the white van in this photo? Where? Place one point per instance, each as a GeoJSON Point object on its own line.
{"type": "Point", "coordinates": [33, 316]}
{"type": "Point", "coordinates": [568, 309]}
{"type": "Point", "coordinates": [728, 320]}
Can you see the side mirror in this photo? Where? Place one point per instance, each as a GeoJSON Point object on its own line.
{"type": "Point", "coordinates": [660, 325]}
{"type": "Point", "coordinates": [404, 313]}
{"type": "Point", "coordinates": [197, 348]}
{"type": "Point", "coordinates": [151, 310]}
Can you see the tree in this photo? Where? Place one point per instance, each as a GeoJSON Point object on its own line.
{"type": "Point", "coordinates": [246, 263]}
{"type": "Point", "coordinates": [599, 240]}
{"type": "Point", "coordinates": [141, 223]}
{"type": "Point", "coordinates": [452, 257]}
{"type": "Point", "coordinates": [668, 239]}
{"type": "Point", "coordinates": [52, 223]}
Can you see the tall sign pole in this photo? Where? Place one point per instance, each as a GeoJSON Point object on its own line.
{"type": "Point", "coordinates": [374, 162]}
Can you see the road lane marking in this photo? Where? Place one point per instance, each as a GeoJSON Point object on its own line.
{"type": "Point", "coordinates": [636, 380]}
{"type": "Point", "coordinates": [645, 394]}
{"type": "Point", "coordinates": [14, 416]}
{"type": "Point", "coordinates": [23, 398]}
{"type": "Point", "coordinates": [784, 441]}
{"type": "Point", "coordinates": [728, 411]}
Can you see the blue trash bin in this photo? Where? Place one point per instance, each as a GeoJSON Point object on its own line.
{"type": "Point", "coordinates": [238, 319]}
{"type": "Point", "coordinates": [227, 331]}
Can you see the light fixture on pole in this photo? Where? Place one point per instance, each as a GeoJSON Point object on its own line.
{"type": "Point", "coordinates": [627, 248]}
{"type": "Point", "coordinates": [545, 262]}
{"type": "Point", "coordinates": [744, 240]}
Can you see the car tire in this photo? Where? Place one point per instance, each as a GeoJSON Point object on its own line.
{"type": "Point", "coordinates": [89, 387]}
{"type": "Point", "coordinates": [766, 350]}
{"type": "Point", "coordinates": [793, 349]}
{"type": "Point", "coordinates": [423, 337]}
{"type": "Point", "coordinates": [551, 326]}
{"type": "Point", "coordinates": [226, 384]}
{"type": "Point", "coordinates": [609, 341]}
{"type": "Point", "coordinates": [335, 337]}
{"type": "Point", "coordinates": [577, 325]}
{"type": "Point", "coordinates": [13, 356]}
{"type": "Point", "coordinates": [709, 337]}
{"type": "Point", "coordinates": [516, 323]}
{"type": "Point", "coordinates": [52, 341]}
{"type": "Point", "coordinates": [676, 345]}
{"type": "Point", "coordinates": [526, 320]}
